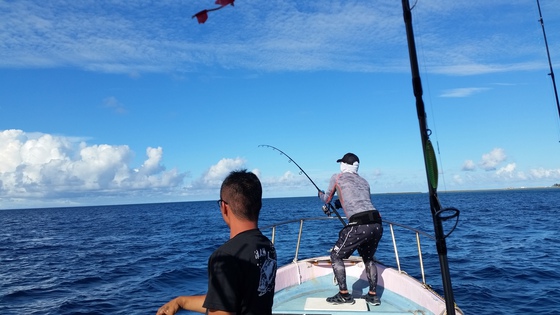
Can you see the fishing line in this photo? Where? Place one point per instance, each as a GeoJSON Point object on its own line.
{"type": "Point", "coordinates": [328, 208]}
{"type": "Point", "coordinates": [551, 74]}
{"type": "Point", "coordinates": [290, 160]}
{"type": "Point", "coordinates": [429, 93]}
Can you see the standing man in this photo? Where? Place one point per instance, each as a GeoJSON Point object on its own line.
{"type": "Point", "coordinates": [363, 232]}
{"type": "Point", "coordinates": [241, 272]}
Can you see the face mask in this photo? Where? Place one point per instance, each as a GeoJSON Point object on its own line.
{"type": "Point", "coordinates": [347, 168]}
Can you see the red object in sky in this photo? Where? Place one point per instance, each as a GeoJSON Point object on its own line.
{"type": "Point", "coordinates": [202, 16]}
{"type": "Point", "coordinates": [224, 2]}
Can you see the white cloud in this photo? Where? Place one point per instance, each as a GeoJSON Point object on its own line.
{"type": "Point", "coordinates": [213, 177]}
{"type": "Point", "coordinates": [209, 183]}
{"type": "Point", "coordinates": [39, 169]}
{"type": "Point", "coordinates": [132, 37]}
{"type": "Point", "coordinates": [114, 104]}
{"type": "Point", "coordinates": [289, 179]}
{"type": "Point", "coordinates": [373, 175]}
{"type": "Point", "coordinates": [34, 165]}
{"type": "Point", "coordinates": [469, 165]}
{"type": "Point", "coordinates": [490, 160]}
{"type": "Point", "coordinates": [462, 92]}
{"type": "Point", "coordinates": [506, 176]}
{"type": "Point", "coordinates": [457, 179]}
{"type": "Point", "coordinates": [152, 164]}
{"type": "Point", "coordinates": [541, 173]}
{"type": "Point", "coordinates": [509, 173]}
{"type": "Point", "coordinates": [507, 170]}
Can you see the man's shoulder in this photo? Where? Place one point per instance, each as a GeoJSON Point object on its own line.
{"type": "Point", "coordinates": [245, 246]}
{"type": "Point", "coordinates": [350, 175]}
{"type": "Point", "coordinates": [253, 238]}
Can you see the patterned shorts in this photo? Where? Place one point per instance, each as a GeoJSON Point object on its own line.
{"type": "Point", "coordinates": [363, 237]}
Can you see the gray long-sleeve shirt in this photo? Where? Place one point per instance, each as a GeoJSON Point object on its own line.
{"type": "Point", "coordinates": [353, 192]}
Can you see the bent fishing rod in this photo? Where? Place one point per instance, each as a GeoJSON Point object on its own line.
{"type": "Point", "coordinates": [328, 208]}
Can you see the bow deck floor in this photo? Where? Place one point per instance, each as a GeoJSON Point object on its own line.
{"type": "Point", "coordinates": [309, 298]}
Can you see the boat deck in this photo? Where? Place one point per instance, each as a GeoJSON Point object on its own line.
{"type": "Point", "coordinates": [310, 297]}
{"type": "Point", "coordinates": [302, 288]}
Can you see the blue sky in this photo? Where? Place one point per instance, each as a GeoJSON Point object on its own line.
{"type": "Point", "coordinates": [114, 102]}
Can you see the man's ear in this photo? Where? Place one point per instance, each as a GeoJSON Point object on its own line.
{"type": "Point", "coordinates": [226, 212]}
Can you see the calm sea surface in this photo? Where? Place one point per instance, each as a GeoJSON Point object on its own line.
{"type": "Point", "coordinates": [504, 255]}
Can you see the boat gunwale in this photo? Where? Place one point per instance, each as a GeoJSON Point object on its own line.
{"type": "Point", "coordinates": [391, 224]}
{"type": "Point", "coordinates": [355, 259]}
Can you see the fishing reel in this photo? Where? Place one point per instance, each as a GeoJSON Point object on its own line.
{"type": "Point", "coordinates": [328, 207]}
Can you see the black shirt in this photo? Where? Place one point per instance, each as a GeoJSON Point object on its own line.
{"type": "Point", "coordinates": [241, 275]}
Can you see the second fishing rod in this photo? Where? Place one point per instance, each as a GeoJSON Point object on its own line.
{"type": "Point", "coordinates": [328, 208]}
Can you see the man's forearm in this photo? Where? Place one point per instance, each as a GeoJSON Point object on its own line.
{"type": "Point", "coordinates": [189, 303]}
{"type": "Point", "coordinates": [192, 303]}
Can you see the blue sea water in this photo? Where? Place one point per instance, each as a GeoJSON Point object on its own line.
{"type": "Point", "coordinates": [504, 255]}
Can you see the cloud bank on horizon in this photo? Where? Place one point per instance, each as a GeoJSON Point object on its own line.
{"type": "Point", "coordinates": [42, 169]}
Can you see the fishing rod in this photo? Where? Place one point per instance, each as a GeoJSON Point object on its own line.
{"type": "Point", "coordinates": [438, 214]}
{"type": "Point", "coordinates": [328, 208]}
{"type": "Point", "coordinates": [549, 61]}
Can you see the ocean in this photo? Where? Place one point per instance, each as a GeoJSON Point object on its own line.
{"type": "Point", "coordinates": [504, 255]}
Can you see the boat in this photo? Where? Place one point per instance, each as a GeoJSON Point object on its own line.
{"type": "Point", "coordinates": [302, 285]}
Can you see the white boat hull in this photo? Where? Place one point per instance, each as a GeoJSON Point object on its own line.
{"type": "Point", "coordinates": [302, 287]}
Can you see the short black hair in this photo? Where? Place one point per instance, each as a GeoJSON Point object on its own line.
{"type": "Point", "coordinates": [242, 190]}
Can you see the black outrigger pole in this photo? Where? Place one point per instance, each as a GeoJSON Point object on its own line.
{"type": "Point", "coordinates": [430, 165]}
{"type": "Point", "coordinates": [549, 61]}
{"type": "Point", "coordinates": [328, 208]}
